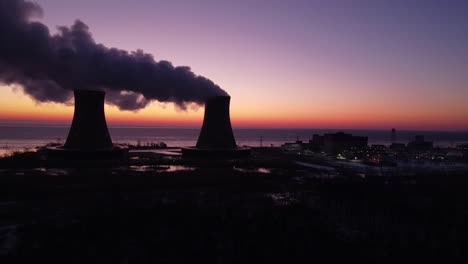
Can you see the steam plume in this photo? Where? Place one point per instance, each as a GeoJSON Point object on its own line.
{"type": "Point", "coordinates": [49, 66]}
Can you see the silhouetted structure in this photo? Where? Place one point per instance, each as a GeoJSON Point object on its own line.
{"type": "Point", "coordinates": [316, 143]}
{"type": "Point", "coordinates": [393, 136]}
{"type": "Point", "coordinates": [398, 146]}
{"type": "Point", "coordinates": [216, 131]}
{"type": "Point", "coordinates": [89, 128]}
{"type": "Point", "coordinates": [420, 144]}
{"type": "Point", "coordinates": [216, 136]}
{"type": "Point", "coordinates": [88, 138]}
{"type": "Point", "coordinates": [337, 142]}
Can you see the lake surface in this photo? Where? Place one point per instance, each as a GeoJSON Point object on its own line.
{"type": "Point", "coordinates": [20, 138]}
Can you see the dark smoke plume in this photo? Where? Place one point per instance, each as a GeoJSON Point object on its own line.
{"type": "Point", "coordinates": [49, 66]}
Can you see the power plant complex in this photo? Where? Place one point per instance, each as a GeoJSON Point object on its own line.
{"type": "Point", "coordinates": [89, 138]}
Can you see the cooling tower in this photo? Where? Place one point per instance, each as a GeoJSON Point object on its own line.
{"type": "Point", "coordinates": [89, 128]}
{"type": "Point", "coordinates": [88, 141]}
{"type": "Point", "coordinates": [216, 131]}
{"type": "Point", "coordinates": [216, 137]}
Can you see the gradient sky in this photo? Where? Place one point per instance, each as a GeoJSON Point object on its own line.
{"type": "Point", "coordinates": [317, 64]}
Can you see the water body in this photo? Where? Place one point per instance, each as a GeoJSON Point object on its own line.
{"type": "Point", "coordinates": [20, 138]}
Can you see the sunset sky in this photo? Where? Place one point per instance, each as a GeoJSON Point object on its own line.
{"type": "Point", "coordinates": [308, 64]}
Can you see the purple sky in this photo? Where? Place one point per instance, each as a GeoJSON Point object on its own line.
{"type": "Point", "coordinates": [305, 57]}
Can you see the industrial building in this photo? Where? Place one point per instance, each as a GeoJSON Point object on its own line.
{"type": "Point", "coordinates": [334, 143]}
{"type": "Point", "coordinates": [420, 144]}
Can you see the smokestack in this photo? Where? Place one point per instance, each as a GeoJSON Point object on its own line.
{"type": "Point", "coordinates": [216, 132]}
{"type": "Point", "coordinates": [89, 128]}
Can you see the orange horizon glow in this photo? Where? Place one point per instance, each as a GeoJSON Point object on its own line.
{"type": "Point", "coordinates": [17, 107]}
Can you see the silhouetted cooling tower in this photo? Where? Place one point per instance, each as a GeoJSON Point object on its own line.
{"type": "Point", "coordinates": [216, 137]}
{"type": "Point", "coordinates": [88, 140]}
{"type": "Point", "coordinates": [89, 128]}
{"type": "Point", "coordinates": [216, 131]}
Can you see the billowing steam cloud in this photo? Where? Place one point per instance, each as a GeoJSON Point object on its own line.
{"type": "Point", "coordinates": [49, 66]}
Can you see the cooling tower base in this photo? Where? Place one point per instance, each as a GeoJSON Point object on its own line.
{"type": "Point", "coordinates": [104, 157]}
{"type": "Point", "coordinates": [194, 152]}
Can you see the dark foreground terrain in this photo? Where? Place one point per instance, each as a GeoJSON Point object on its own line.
{"type": "Point", "coordinates": [225, 215]}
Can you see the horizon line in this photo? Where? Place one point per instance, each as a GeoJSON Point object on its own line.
{"type": "Point", "coordinates": [30, 123]}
